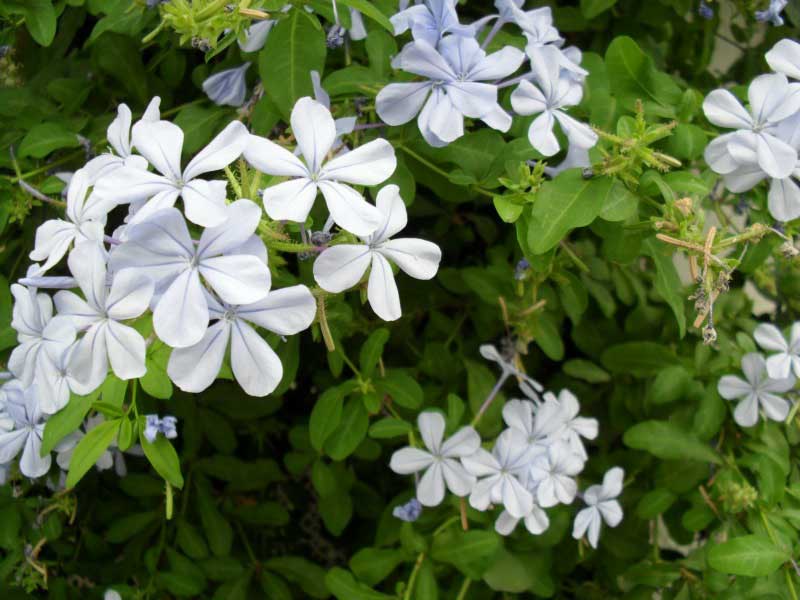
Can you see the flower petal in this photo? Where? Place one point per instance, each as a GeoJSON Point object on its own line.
{"type": "Point", "coordinates": [382, 289]}
{"type": "Point", "coordinates": [242, 222]}
{"type": "Point", "coordinates": [126, 350]}
{"type": "Point", "coordinates": [161, 143]}
{"type": "Point", "coordinates": [314, 130]}
{"type": "Point", "coordinates": [255, 365]}
{"type": "Point", "coordinates": [237, 279]}
{"type": "Point", "coordinates": [225, 148]}
{"type": "Point", "coordinates": [370, 164]}
{"type": "Point", "coordinates": [341, 267]}
{"type": "Point", "coordinates": [291, 200]}
{"type": "Point", "coordinates": [431, 428]}
{"type": "Point", "coordinates": [724, 110]}
{"type": "Point", "coordinates": [349, 209]}
{"type": "Point", "coordinates": [417, 258]}
{"type": "Point", "coordinates": [204, 202]}
{"type": "Point", "coordinates": [181, 316]}
{"type": "Point", "coordinates": [430, 491]}
{"type": "Point", "coordinates": [286, 311]}
{"type": "Point", "coordinates": [272, 159]}
{"type": "Point", "coordinates": [398, 103]}
{"type": "Point", "coordinates": [410, 460]}
{"type": "Point", "coordinates": [194, 368]}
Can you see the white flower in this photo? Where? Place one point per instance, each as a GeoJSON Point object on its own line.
{"type": "Point", "coordinates": [342, 266]}
{"type": "Point", "coordinates": [56, 379]}
{"type": "Point", "coordinates": [501, 471]}
{"type": "Point", "coordinates": [315, 132]}
{"type": "Point", "coordinates": [41, 336]}
{"type": "Point", "coordinates": [255, 365]}
{"type": "Point", "coordinates": [430, 21]}
{"type": "Point", "coordinates": [26, 436]}
{"type": "Point", "coordinates": [784, 57]}
{"type": "Point", "coordinates": [538, 430]}
{"type": "Point", "coordinates": [118, 135]}
{"type": "Point", "coordinates": [456, 72]}
{"type": "Point", "coordinates": [601, 505]}
{"type": "Point", "coordinates": [574, 427]}
{"type": "Point", "coordinates": [106, 340]}
{"type": "Point", "coordinates": [86, 221]}
{"type": "Point", "coordinates": [552, 474]}
{"type": "Point", "coordinates": [536, 521]}
{"type": "Point", "coordinates": [160, 247]}
{"type": "Point", "coordinates": [536, 24]}
{"type": "Point", "coordinates": [161, 143]}
{"type": "Point", "coordinates": [357, 29]}
{"type": "Point", "coordinates": [256, 35]}
{"type": "Point", "coordinates": [440, 462]}
{"type": "Point", "coordinates": [344, 125]}
{"type": "Point", "coordinates": [758, 390]}
{"type": "Point", "coordinates": [787, 359]}
{"type": "Point", "coordinates": [772, 99]}
{"type": "Point", "coordinates": [228, 87]}
{"type": "Point", "coordinates": [555, 91]}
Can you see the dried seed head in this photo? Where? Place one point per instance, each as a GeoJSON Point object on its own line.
{"type": "Point", "coordinates": [684, 205]}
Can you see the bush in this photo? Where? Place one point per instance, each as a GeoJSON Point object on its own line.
{"type": "Point", "coordinates": [346, 300]}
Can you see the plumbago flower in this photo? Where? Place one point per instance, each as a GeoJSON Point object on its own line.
{"type": "Point", "coordinates": [430, 21]}
{"type": "Point", "coordinates": [556, 90]}
{"type": "Point", "coordinates": [86, 220]}
{"type": "Point", "coordinates": [161, 143]}
{"type": "Point", "coordinates": [601, 505]}
{"type": "Point", "coordinates": [767, 144]}
{"type": "Point", "coordinates": [440, 462]}
{"type": "Point", "coordinates": [228, 257]}
{"type": "Point", "coordinates": [255, 365]}
{"type": "Point", "coordinates": [772, 100]}
{"type": "Point", "coordinates": [26, 434]}
{"type": "Point", "coordinates": [501, 471]}
{"type": "Point", "coordinates": [457, 71]}
{"type": "Point", "coordinates": [315, 132]}
{"type": "Point", "coordinates": [106, 340]}
{"type": "Point", "coordinates": [228, 87]}
{"type": "Point", "coordinates": [42, 337]}
{"type": "Point", "coordinates": [553, 472]}
{"type": "Point", "coordinates": [787, 359]}
{"type": "Point", "coordinates": [757, 390]}
{"type": "Point", "coordinates": [342, 266]}
{"type": "Point", "coordinates": [118, 135]}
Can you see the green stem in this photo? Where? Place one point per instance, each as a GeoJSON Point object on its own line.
{"type": "Point", "coordinates": [413, 579]}
{"type": "Point", "coordinates": [462, 593]}
{"type": "Point", "coordinates": [578, 262]}
{"type": "Point", "coordinates": [234, 183]}
{"type": "Point", "coordinates": [446, 524]}
{"type": "Point", "coordinates": [290, 246]}
{"type": "Point", "coordinates": [425, 162]}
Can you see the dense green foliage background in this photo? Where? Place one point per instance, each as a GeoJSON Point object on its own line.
{"type": "Point", "coordinates": [290, 496]}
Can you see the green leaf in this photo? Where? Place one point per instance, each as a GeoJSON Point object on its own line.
{"type": "Point", "coordinates": [351, 431]}
{"type": "Point", "coordinates": [301, 48]}
{"type": "Point", "coordinates": [371, 351]}
{"type": "Point", "coordinates": [668, 284]}
{"type": "Point", "coordinates": [389, 427]}
{"type": "Point", "coordinates": [89, 449]}
{"type": "Point", "coordinates": [640, 359]}
{"type": "Point", "coordinates": [381, 47]}
{"type": "Point", "coordinates": [654, 503]}
{"type": "Point", "coordinates": [509, 573]}
{"type": "Point", "coordinates": [573, 296]}
{"type": "Point", "coordinates": [669, 385]}
{"type": "Point", "coordinates": [564, 203]}
{"type": "Point", "coordinates": [40, 19]}
{"type": "Point", "coordinates": [368, 9]}
{"type": "Point", "coordinates": [67, 420]}
{"type": "Point", "coordinates": [632, 76]}
{"type": "Point", "coordinates": [471, 552]}
{"type": "Point", "coordinates": [373, 565]}
{"type": "Point", "coordinates": [344, 586]}
{"type": "Point", "coordinates": [749, 555]}
{"type": "Point", "coordinates": [586, 370]}
{"type": "Point", "coordinates": [620, 203]}
{"type": "Point", "coordinates": [667, 440]}
{"type": "Point", "coordinates": [403, 389]}
{"type": "Point", "coordinates": [686, 142]}
{"type": "Point", "coordinates": [119, 56]}
{"type": "Point", "coordinates": [163, 457]}
{"type": "Point", "coordinates": [42, 139]}
{"type": "Point", "coordinates": [308, 575]}
{"type": "Point", "coordinates": [217, 529]}
{"type": "Point", "coordinates": [592, 8]}
{"type": "Point", "coordinates": [426, 587]}
{"type": "Point", "coordinates": [325, 416]}
{"type": "Point", "coordinates": [155, 381]}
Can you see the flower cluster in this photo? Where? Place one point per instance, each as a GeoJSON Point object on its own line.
{"type": "Point", "coordinates": [532, 465]}
{"type": "Point", "coordinates": [766, 140]}
{"type": "Point", "coordinates": [195, 278]}
{"type": "Point", "coordinates": [461, 79]}
{"type": "Point", "coordinates": [765, 379]}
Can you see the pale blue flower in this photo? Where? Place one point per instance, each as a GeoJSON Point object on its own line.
{"type": "Point", "coordinates": [773, 12]}
{"type": "Point", "coordinates": [228, 87]}
{"type": "Point", "coordinates": [408, 512]}
{"type": "Point", "coordinates": [164, 425]}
